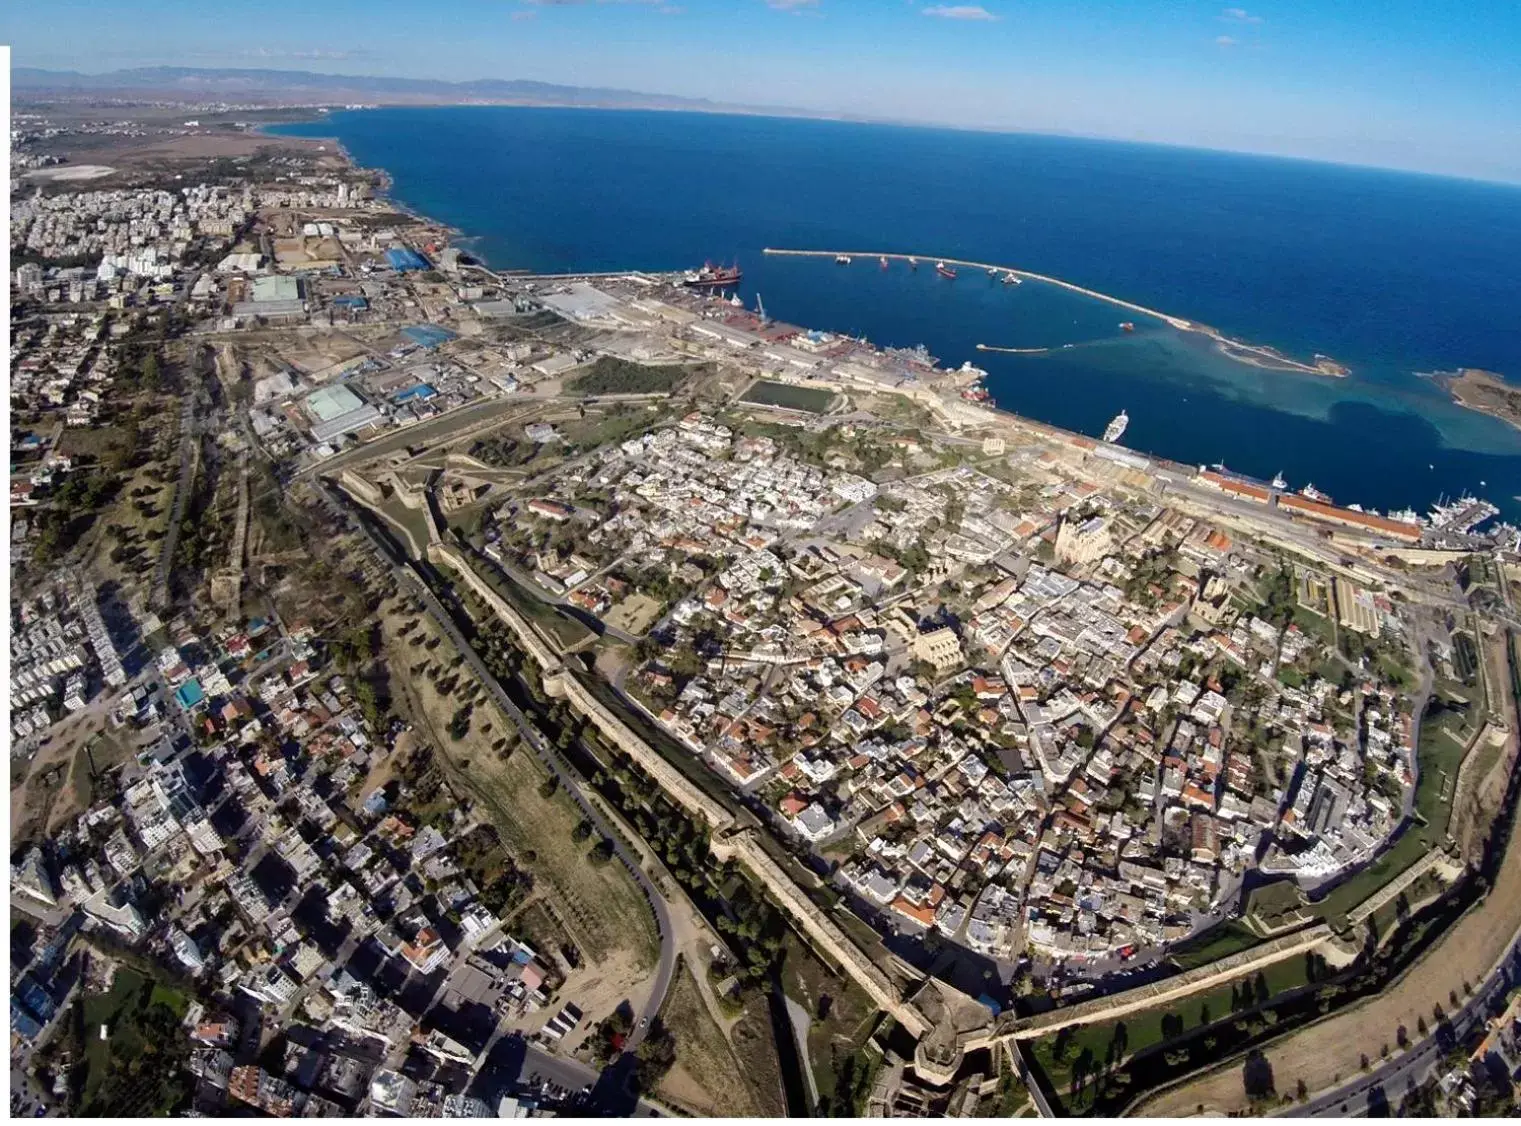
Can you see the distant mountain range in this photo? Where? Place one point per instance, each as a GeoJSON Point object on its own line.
{"type": "Point", "coordinates": [300, 87]}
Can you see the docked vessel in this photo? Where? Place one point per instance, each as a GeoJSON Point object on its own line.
{"type": "Point", "coordinates": [1278, 482]}
{"type": "Point", "coordinates": [992, 271]}
{"type": "Point", "coordinates": [713, 277]}
{"type": "Point", "coordinates": [944, 271]}
{"type": "Point", "coordinates": [1116, 427]}
{"type": "Point", "coordinates": [913, 263]}
{"type": "Point", "coordinates": [1011, 278]}
{"type": "Point", "coordinates": [842, 259]}
{"type": "Point", "coordinates": [1462, 515]}
{"type": "Point", "coordinates": [974, 391]}
{"type": "Point", "coordinates": [1310, 492]}
{"type": "Point", "coordinates": [882, 261]}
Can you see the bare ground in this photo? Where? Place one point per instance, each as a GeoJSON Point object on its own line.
{"type": "Point", "coordinates": [707, 1079]}
{"type": "Point", "coordinates": [599, 903]}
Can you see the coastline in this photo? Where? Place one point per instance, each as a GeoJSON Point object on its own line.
{"type": "Point", "coordinates": [384, 182]}
{"type": "Point", "coordinates": [1259, 356]}
{"type": "Point", "coordinates": [1481, 391]}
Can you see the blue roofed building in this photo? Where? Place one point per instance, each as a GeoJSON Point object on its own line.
{"type": "Point", "coordinates": [23, 1023]}
{"type": "Point", "coordinates": [429, 336]}
{"type": "Point", "coordinates": [402, 259]}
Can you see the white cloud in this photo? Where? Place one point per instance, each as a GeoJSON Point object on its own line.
{"type": "Point", "coordinates": [285, 53]}
{"type": "Point", "coordinates": [1239, 15]}
{"type": "Point", "coordinates": [960, 12]}
{"type": "Point", "coordinates": [1225, 41]}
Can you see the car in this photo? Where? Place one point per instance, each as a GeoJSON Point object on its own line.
{"type": "Point", "coordinates": [643, 1021]}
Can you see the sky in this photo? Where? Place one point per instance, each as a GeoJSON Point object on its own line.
{"type": "Point", "coordinates": [1408, 84]}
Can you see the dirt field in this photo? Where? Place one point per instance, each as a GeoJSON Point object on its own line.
{"type": "Point", "coordinates": [599, 904]}
{"type": "Point", "coordinates": [707, 1079]}
{"type": "Point", "coordinates": [634, 614]}
{"type": "Point", "coordinates": [1328, 1053]}
{"type": "Point", "coordinates": [55, 786]}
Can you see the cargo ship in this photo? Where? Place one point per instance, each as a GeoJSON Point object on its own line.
{"type": "Point", "coordinates": [713, 277]}
{"type": "Point", "coordinates": [1116, 428]}
{"type": "Point", "coordinates": [974, 391]}
{"type": "Point", "coordinates": [945, 271]}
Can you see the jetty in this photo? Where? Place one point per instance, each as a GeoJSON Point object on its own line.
{"type": "Point", "coordinates": [1012, 351]}
{"type": "Point", "coordinates": [1256, 355]}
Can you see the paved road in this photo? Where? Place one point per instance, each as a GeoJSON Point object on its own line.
{"type": "Point", "coordinates": [1390, 1083]}
{"type": "Point", "coordinates": [551, 759]}
{"type": "Point", "coordinates": [516, 1066]}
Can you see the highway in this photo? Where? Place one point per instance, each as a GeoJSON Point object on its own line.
{"type": "Point", "coordinates": [551, 759]}
{"type": "Point", "coordinates": [1380, 1092]}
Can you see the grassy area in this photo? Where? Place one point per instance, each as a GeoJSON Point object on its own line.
{"type": "Point", "coordinates": [1274, 903]}
{"type": "Point", "coordinates": [1221, 942]}
{"type": "Point", "coordinates": [412, 521]}
{"type": "Point", "coordinates": [814, 400]}
{"type": "Point", "coordinates": [133, 1070]}
{"type": "Point", "coordinates": [1084, 1049]}
{"type": "Point", "coordinates": [609, 423]}
{"type": "Point", "coordinates": [842, 1020]}
{"type": "Point", "coordinates": [612, 376]}
{"type": "Point", "coordinates": [707, 1078]}
{"type": "Point", "coordinates": [566, 631]}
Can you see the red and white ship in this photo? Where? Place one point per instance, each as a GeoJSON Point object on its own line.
{"type": "Point", "coordinates": [713, 277]}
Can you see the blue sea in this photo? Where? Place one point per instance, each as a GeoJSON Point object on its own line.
{"type": "Point", "coordinates": [1392, 274]}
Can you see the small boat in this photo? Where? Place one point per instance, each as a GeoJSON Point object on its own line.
{"type": "Point", "coordinates": [1278, 482]}
{"type": "Point", "coordinates": [945, 271]}
{"type": "Point", "coordinates": [882, 261]}
{"type": "Point", "coordinates": [1011, 278]}
{"type": "Point", "coordinates": [842, 259]}
{"type": "Point", "coordinates": [1127, 326]}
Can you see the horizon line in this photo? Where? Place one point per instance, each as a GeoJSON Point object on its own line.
{"type": "Point", "coordinates": [708, 105]}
